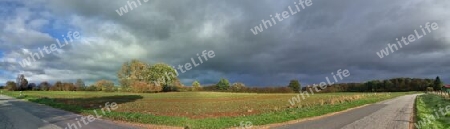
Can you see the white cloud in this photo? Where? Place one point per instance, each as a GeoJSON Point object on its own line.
{"type": "Point", "coordinates": [313, 42]}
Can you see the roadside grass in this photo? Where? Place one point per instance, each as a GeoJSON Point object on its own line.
{"type": "Point", "coordinates": [428, 105]}
{"type": "Point", "coordinates": [203, 110]}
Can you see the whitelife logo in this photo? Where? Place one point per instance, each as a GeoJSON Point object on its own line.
{"type": "Point", "coordinates": [48, 50]}
{"type": "Point", "coordinates": [284, 14]}
{"type": "Point", "coordinates": [122, 10]}
{"type": "Point", "coordinates": [411, 38]}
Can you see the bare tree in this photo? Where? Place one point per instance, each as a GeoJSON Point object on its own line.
{"type": "Point", "coordinates": [21, 82]}
{"type": "Point", "coordinates": [44, 86]}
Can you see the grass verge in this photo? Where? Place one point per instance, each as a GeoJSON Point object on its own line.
{"type": "Point", "coordinates": [428, 113]}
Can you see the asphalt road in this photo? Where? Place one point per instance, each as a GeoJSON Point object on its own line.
{"type": "Point", "coordinates": [18, 114]}
{"type": "Point", "coordinates": [390, 114]}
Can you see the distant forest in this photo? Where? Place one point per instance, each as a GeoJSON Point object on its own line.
{"type": "Point", "coordinates": [389, 85]}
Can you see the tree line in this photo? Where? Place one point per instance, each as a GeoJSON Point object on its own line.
{"type": "Point", "coordinates": [22, 85]}
{"type": "Point", "coordinates": [140, 77]}
{"type": "Point", "coordinates": [388, 85]}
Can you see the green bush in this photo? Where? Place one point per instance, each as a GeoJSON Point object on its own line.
{"type": "Point", "coordinates": [223, 84]}
{"type": "Point", "coordinates": [295, 85]}
{"type": "Point", "coordinates": [196, 86]}
{"type": "Point", "coordinates": [11, 86]}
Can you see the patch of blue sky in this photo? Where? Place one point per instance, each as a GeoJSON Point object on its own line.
{"type": "Point", "coordinates": [7, 8]}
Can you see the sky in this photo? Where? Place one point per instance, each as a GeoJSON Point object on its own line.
{"type": "Point", "coordinates": [308, 46]}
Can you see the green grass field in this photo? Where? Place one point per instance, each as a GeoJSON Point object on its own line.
{"type": "Point", "coordinates": [428, 105]}
{"type": "Point", "coordinates": [209, 110]}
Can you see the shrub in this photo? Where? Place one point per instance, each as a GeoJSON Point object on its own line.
{"type": "Point", "coordinates": [237, 87]}
{"type": "Point", "coordinates": [68, 87]}
{"type": "Point", "coordinates": [169, 88]}
{"type": "Point", "coordinates": [80, 85]}
{"type": "Point", "coordinates": [196, 86]}
{"type": "Point", "coordinates": [105, 85]}
{"type": "Point", "coordinates": [11, 86]}
{"type": "Point", "coordinates": [223, 84]}
{"type": "Point", "coordinates": [91, 88]}
{"type": "Point", "coordinates": [175, 85]}
{"type": "Point", "coordinates": [430, 89]}
{"type": "Point", "coordinates": [294, 85]}
{"type": "Point", "coordinates": [58, 86]}
{"type": "Point", "coordinates": [144, 87]}
{"type": "Point", "coordinates": [108, 88]}
{"type": "Point", "coordinates": [44, 86]}
{"type": "Point", "coordinates": [33, 86]}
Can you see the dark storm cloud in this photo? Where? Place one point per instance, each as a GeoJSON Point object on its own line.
{"type": "Point", "coordinates": [325, 37]}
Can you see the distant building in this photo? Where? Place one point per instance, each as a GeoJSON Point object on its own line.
{"type": "Point", "coordinates": [446, 88]}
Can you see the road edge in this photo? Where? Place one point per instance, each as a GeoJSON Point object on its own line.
{"type": "Point", "coordinates": [413, 118]}
{"type": "Point", "coordinates": [307, 119]}
{"type": "Point", "coordinates": [325, 115]}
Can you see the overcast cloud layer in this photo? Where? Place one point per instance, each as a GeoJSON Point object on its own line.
{"type": "Point", "coordinates": [325, 37]}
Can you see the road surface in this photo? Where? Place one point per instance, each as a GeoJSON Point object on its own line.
{"type": "Point", "coordinates": [390, 114]}
{"type": "Point", "coordinates": [18, 114]}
